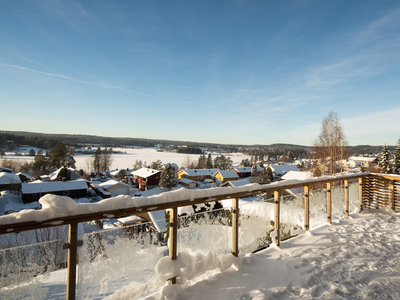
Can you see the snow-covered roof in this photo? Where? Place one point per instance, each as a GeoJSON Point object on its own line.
{"type": "Point", "coordinates": [242, 169]}
{"type": "Point", "coordinates": [228, 174]}
{"type": "Point", "coordinates": [236, 183]}
{"type": "Point", "coordinates": [2, 169]}
{"type": "Point", "coordinates": [364, 159]}
{"type": "Point", "coordinates": [9, 178]}
{"type": "Point", "coordinates": [145, 172]}
{"type": "Point", "coordinates": [201, 172]}
{"type": "Point", "coordinates": [130, 220]}
{"type": "Point", "coordinates": [112, 182]}
{"type": "Point", "coordinates": [45, 187]}
{"type": "Point", "coordinates": [297, 175]}
{"type": "Point", "coordinates": [53, 176]}
{"type": "Point", "coordinates": [283, 169]}
{"type": "Point", "coordinates": [186, 181]}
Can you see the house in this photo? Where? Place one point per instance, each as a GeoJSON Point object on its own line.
{"type": "Point", "coordinates": [236, 183]}
{"type": "Point", "coordinates": [35, 190]}
{"type": "Point", "coordinates": [7, 170]}
{"type": "Point", "coordinates": [121, 174]}
{"type": "Point", "coordinates": [74, 174]}
{"type": "Point", "coordinates": [115, 187]}
{"type": "Point", "coordinates": [9, 181]}
{"type": "Point", "coordinates": [366, 162]}
{"type": "Point", "coordinates": [242, 172]}
{"type": "Point", "coordinates": [224, 176]}
{"type": "Point", "coordinates": [197, 174]}
{"type": "Point", "coordinates": [146, 178]}
{"type": "Point", "coordinates": [188, 183]}
{"type": "Point", "coordinates": [280, 170]}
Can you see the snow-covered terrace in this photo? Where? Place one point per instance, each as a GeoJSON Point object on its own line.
{"type": "Point", "coordinates": [58, 210]}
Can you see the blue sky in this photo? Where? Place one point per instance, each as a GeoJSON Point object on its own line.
{"type": "Point", "coordinates": [234, 72]}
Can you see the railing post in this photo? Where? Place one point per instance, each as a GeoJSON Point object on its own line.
{"type": "Point", "coordinates": [346, 197]}
{"type": "Point", "coordinates": [72, 248]}
{"type": "Point", "coordinates": [173, 239]}
{"type": "Point", "coordinates": [391, 194]}
{"type": "Point", "coordinates": [277, 218]}
{"type": "Point", "coordinates": [329, 202]}
{"type": "Point", "coordinates": [306, 208]}
{"type": "Point", "coordinates": [360, 192]}
{"type": "Point", "coordinates": [235, 226]}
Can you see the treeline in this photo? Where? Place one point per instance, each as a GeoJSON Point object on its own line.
{"type": "Point", "coordinates": [189, 150]}
{"type": "Point", "coordinates": [13, 141]}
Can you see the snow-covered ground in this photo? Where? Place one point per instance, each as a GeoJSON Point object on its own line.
{"type": "Point", "coordinates": [353, 258]}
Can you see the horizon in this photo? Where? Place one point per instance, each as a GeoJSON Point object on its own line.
{"type": "Point", "coordinates": [182, 141]}
{"type": "Point", "coordinates": [237, 73]}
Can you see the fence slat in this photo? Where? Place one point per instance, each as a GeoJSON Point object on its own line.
{"type": "Point", "coordinates": [329, 202]}
{"type": "Point", "coordinates": [235, 226]}
{"type": "Point", "coordinates": [346, 197]}
{"type": "Point", "coordinates": [173, 238]}
{"type": "Point", "coordinates": [277, 217]}
{"type": "Point", "coordinates": [306, 208]}
{"type": "Point", "coordinates": [72, 248]}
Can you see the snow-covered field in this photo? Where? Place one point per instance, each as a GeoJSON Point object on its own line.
{"type": "Point", "coordinates": [127, 158]}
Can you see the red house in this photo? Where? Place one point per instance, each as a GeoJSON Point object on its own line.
{"type": "Point", "coordinates": [146, 178]}
{"type": "Point", "coordinates": [242, 172]}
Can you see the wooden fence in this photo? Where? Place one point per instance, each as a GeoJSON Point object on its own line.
{"type": "Point", "coordinates": [374, 191]}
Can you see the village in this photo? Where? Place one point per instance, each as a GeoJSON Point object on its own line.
{"type": "Point", "coordinates": [20, 190]}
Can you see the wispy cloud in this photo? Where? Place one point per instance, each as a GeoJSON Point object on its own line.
{"type": "Point", "coordinates": [192, 103]}
{"type": "Point", "coordinates": [74, 79]}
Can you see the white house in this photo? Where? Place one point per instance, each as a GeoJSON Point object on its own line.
{"type": "Point", "coordinates": [115, 187]}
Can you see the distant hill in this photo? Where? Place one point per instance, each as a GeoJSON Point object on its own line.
{"type": "Point", "coordinates": [47, 140]}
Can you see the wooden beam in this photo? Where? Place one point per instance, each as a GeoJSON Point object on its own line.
{"type": "Point", "coordinates": [329, 202]}
{"type": "Point", "coordinates": [71, 266]}
{"type": "Point", "coordinates": [391, 194]}
{"type": "Point", "coordinates": [346, 197]}
{"type": "Point", "coordinates": [277, 218]}
{"type": "Point", "coordinates": [360, 192]}
{"type": "Point", "coordinates": [235, 227]}
{"type": "Point", "coordinates": [306, 208]}
{"type": "Point", "coordinates": [173, 238]}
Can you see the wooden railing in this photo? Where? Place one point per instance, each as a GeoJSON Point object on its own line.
{"type": "Point", "coordinates": [374, 191]}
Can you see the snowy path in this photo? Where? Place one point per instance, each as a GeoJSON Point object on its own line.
{"type": "Point", "coordinates": [356, 258]}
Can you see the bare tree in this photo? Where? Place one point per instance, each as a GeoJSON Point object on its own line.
{"type": "Point", "coordinates": [331, 142]}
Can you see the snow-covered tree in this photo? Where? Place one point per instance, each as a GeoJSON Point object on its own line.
{"type": "Point", "coordinates": [384, 161]}
{"type": "Point", "coordinates": [156, 165]}
{"type": "Point", "coordinates": [168, 178]}
{"type": "Point", "coordinates": [396, 160]}
{"type": "Point", "coordinates": [209, 164]}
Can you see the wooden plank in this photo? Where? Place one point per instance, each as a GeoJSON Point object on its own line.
{"type": "Point", "coordinates": [235, 227]}
{"type": "Point", "coordinates": [391, 194]}
{"type": "Point", "coordinates": [329, 202]}
{"type": "Point", "coordinates": [71, 265]}
{"type": "Point", "coordinates": [173, 238]}
{"type": "Point", "coordinates": [346, 197]}
{"type": "Point", "coordinates": [277, 217]}
{"type": "Point", "coordinates": [306, 208]}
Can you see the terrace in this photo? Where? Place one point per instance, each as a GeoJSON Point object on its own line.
{"type": "Point", "coordinates": [148, 263]}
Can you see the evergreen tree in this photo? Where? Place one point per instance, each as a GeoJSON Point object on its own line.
{"type": "Point", "coordinates": [40, 162]}
{"type": "Point", "coordinates": [201, 163]}
{"type": "Point", "coordinates": [58, 155]}
{"type": "Point", "coordinates": [156, 165]}
{"type": "Point", "coordinates": [209, 164]}
{"type": "Point", "coordinates": [384, 161]}
{"type": "Point", "coordinates": [64, 175]}
{"type": "Point", "coordinates": [31, 152]}
{"type": "Point", "coordinates": [396, 161]}
{"type": "Point", "coordinates": [97, 160]}
{"type": "Point", "coordinates": [168, 178]}
{"type": "Point", "coordinates": [138, 165]}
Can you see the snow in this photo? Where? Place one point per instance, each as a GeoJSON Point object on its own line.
{"type": "Point", "coordinates": [355, 258]}
{"type": "Point", "coordinates": [9, 178]}
{"type": "Point", "coordinates": [145, 172]}
{"type": "Point", "coordinates": [45, 187]}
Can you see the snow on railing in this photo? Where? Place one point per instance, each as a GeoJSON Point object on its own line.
{"type": "Point", "coordinates": [258, 223]}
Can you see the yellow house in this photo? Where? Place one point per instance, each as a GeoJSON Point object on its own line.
{"type": "Point", "coordinates": [224, 176]}
{"type": "Point", "coordinates": [197, 174]}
